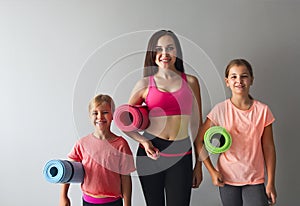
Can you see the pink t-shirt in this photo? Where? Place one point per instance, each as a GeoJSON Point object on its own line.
{"type": "Point", "coordinates": [103, 162]}
{"type": "Point", "coordinates": [244, 162]}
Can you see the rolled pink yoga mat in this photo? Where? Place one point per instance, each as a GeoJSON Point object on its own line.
{"type": "Point", "coordinates": [130, 118]}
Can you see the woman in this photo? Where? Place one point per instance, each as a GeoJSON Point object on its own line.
{"type": "Point", "coordinates": [164, 158]}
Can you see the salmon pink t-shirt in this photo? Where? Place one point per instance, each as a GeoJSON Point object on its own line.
{"type": "Point", "coordinates": [244, 162]}
{"type": "Point", "coordinates": [103, 161]}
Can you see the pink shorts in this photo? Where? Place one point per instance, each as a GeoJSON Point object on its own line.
{"type": "Point", "coordinates": [95, 200]}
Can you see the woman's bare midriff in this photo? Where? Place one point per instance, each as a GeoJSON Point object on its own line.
{"type": "Point", "coordinates": [169, 127]}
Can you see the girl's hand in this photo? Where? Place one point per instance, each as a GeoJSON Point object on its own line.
{"type": "Point", "coordinates": [217, 179]}
{"type": "Point", "coordinates": [150, 150]}
{"type": "Point", "coordinates": [64, 201]}
{"type": "Point", "coordinates": [271, 193]}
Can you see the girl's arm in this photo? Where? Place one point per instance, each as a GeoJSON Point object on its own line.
{"type": "Point", "coordinates": [217, 178]}
{"type": "Point", "coordinates": [64, 199]}
{"type": "Point", "coordinates": [196, 122]}
{"type": "Point", "coordinates": [270, 161]}
{"type": "Point", "coordinates": [126, 186]}
{"type": "Point", "coordinates": [137, 97]}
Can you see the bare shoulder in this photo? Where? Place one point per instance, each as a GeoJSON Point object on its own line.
{"type": "Point", "coordinates": [139, 91]}
{"type": "Point", "coordinates": [192, 80]}
{"type": "Point", "coordinates": [142, 83]}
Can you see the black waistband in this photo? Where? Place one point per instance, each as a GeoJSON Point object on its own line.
{"type": "Point", "coordinates": [183, 146]}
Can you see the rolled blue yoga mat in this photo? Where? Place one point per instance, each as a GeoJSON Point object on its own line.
{"type": "Point", "coordinates": [63, 171]}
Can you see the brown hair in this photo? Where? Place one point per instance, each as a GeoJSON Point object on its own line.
{"type": "Point", "coordinates": [238, 62]}
{"type": "Point", "coordinates": [150, 67]}
{"type": "Point", "coordinates": [99, 99]}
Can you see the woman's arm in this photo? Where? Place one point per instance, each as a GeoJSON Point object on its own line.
{"type": "Point", "coordinates": [196, 122]}
{"type": "Point", "coordinates": [126, 186]}
{"type": "Point", "coordinates": [270, 161]}
{"type": "Point", "coordinates": [137, 97]}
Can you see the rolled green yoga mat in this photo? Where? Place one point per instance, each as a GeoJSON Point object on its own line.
{"type": "Point", "coordinates": [223, 136]}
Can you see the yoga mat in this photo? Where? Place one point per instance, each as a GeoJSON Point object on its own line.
{"type": "Point", "coordinates": [63, 171]}
{"type": "Point", "coordinates": [130, 118]}
{"type": "Point", "coordinates": [220, 133]}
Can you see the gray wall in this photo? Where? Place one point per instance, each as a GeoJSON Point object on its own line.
{"type": "Point", "coordinates": [55, 55]}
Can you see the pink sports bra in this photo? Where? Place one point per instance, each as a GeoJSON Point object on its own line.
{"type": "Point", "coordinates": [162, 103]}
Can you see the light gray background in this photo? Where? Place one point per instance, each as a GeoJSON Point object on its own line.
{"type": "Point", "coordinates": [55, 55]}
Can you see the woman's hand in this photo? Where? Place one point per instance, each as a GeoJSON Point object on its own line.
{"type": "Point", "coordinates": [150, 150]}
{"type": "Point", "coordinates": [197, 175]}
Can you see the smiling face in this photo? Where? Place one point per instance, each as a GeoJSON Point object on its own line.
{"type": "Point", "coordinates": [165, 52]}
{"type": "Point", "coordinates": [239, 79]}
{"type": "Point", "coordinates": [151, 64]}
{"type": "Point", "coordinates": [101, 117]}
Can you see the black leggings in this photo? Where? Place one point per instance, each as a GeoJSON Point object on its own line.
{"type": "Point", "coordinates": [247, 195]}
{"type": "Point", "coordinates": [170, 175]}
